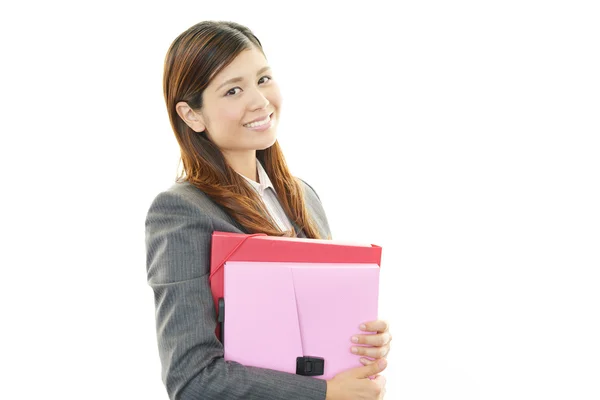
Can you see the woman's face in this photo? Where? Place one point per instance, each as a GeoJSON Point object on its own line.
{"type": "Point", "coordinates": [242, 92]}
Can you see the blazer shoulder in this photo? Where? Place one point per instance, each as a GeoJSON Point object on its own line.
{"type": "Point", "coordinates": [315, 208]}
{"type": "Point", "coordinates": [184, 194]}
{"type": "Point", "coordinates": [310, 187]}
{"type": "Point", "coordinates": [185, 198]}
{"type": "Point", "coordinates": [189, 192]}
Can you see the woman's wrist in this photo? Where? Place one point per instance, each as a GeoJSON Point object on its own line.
{"type": "Point", "coordinates": [330, 392]}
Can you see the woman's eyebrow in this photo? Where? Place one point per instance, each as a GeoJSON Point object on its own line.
{"type": "Point", "coordinates": [239, 78]}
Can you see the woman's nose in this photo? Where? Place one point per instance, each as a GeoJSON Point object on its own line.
{"type": "Point", "coordinates": [259, 100]}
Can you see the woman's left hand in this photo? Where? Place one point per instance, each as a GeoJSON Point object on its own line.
{"type": "Point", "coordinates": [375, 345]}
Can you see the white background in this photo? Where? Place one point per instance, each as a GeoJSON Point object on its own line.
{"type": "Point", "coordinates": [460, 136]}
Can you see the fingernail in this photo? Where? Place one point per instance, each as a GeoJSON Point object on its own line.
{"type": "Point", "coordinates": [363, 360]}
{"type": "Point", "coordinates": [354, 350]}
{"type": "Point", "coordinates": [363, 327]}
{"type": "Point", "coordinates": [354, 339]}
{"type": "Point", "coordinates": [382, 362]}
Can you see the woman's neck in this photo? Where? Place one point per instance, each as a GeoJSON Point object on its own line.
{"type": "Point", "coordinates": [244, 163]}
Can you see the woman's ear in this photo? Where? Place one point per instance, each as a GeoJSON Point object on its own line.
{"type": "Point", "coordinates": [193, 119]}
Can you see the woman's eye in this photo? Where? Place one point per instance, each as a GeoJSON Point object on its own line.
{"type": "Point", "coordinates": [231, 90]}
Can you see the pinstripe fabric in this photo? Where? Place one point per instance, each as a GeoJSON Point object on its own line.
{"type": "Point", "coordinates": [266, 191]}
{"type": "Point", "coordinates": [179, 224]}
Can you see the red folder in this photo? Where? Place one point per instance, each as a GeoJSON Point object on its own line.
{"type": "Point", "coordinates": [228, 246]}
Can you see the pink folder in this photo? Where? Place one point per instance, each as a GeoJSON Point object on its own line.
{"type": "Point", "coordinates": [229, 246]}
{"type": "Point", "coordinates": [288, 316]}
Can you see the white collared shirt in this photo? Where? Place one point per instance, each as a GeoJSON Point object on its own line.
{"type": "Point", "coordinates": [266, 191]}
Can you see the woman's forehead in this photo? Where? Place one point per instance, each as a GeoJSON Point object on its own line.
{"type": "Point", "coordinates": [248, 63]}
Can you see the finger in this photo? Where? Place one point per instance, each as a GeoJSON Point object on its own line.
{"type": "Point", "coordinates": [366, 361]}
{"type": "Point", "coordinates": [382, 394]}
{"type": "Point", "coordinates": [379, 326]}
{"type": "Point", "coordinates": [380, 380]}
{"type": "Point", "coordinates": [373, 352]}
{"type": "Point", "coordinates": [372, 340]}
{"type": "Point", "coordinates": [371, 369]}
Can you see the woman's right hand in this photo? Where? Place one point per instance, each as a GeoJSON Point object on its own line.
{"type": "Point", "coordinates": [355, 384]}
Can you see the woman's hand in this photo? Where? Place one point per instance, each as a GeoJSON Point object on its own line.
{"type": "Point", "coordinates": [364, 382]}
{"type": "Point", "coordinates": [360, 383]}
{"type": "Point", "coordinates": [374, 346]}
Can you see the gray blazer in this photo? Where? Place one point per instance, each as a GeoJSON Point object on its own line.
{"type": "Point", "coordinates": [179, 225]}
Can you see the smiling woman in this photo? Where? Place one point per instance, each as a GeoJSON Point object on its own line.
{"type": "Point", "coordinates": [231, 116]}
{"type": "Point", "coordinates": [209, 116]}
{"type": "Point", "coordinates": [224, 106]}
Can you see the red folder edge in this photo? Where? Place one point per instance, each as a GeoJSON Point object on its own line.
{"type": "Point", "coordinates": [229, 246]}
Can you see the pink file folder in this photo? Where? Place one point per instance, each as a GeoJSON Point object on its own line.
{"type": "Point", "coordinates": [277, 312]}
{"type": "Point", "coordinates": [229, 246]}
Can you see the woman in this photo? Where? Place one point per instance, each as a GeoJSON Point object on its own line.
{"type": "Point", "coordinates": [224, 106]}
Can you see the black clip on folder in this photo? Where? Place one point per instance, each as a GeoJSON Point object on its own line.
{"type": "Point", "coordinates": [221, 319]}
{"type": "Point", "coordinates": [310, 366]}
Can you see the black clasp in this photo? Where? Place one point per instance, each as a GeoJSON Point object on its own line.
{"type": "Point", "coordinates": [310, 366]}
{"type": "Point", "coordinates": [221, 319]}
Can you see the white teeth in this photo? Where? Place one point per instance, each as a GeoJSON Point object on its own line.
{"type": "Point", "coordinates": [258, 123]}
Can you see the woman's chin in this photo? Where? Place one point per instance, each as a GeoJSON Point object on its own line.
{"type": "Point", "coordinates": [267, 141]}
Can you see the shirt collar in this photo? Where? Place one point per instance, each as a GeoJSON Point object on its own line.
{"type": "Point", "coordinates": [263, 179]}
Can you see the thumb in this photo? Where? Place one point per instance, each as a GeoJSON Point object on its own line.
{"type": "Point", "coordinates": [371, 369]}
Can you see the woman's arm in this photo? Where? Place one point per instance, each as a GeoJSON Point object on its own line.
{"type": "Point", "coordinates": [178, 238]}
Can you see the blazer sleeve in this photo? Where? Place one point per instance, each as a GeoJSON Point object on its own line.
{"type": "Point", "coordinates": [178, 239]}
{"type": "Point", "coordinates": [315, 207]}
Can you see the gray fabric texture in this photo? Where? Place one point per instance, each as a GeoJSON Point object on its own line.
{"type": "Point", "coordinates": [179, 225]}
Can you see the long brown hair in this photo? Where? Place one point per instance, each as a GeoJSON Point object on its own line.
{"type": "Point", "coordinates": [193, 59]}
